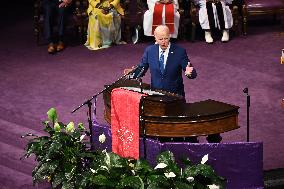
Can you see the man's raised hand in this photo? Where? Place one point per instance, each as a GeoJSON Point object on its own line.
{"type": "Point", "coordinates": [188, 70]}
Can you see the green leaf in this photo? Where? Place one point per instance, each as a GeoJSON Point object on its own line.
{"type": "Point", "coordinates": [68, 185]}
{"type": "Point", "coordinates": [53, 165]}
{"type": "Point", "coordinates": [52, 114]}
{"type": "Point", "coordinates": [199, 169]}
{"type": "Point", "coordinates": [132, 182]}
{"type": "Point", "coordinates": [76, 134]}
{"type": "Point", "coordinates": [62, 125]}
{"type": "Point", "coordinates": [41, 172]}
{"type": "Point", "coordinates": [166, 157]}
{"type": "Point", "coordinates": [182, 185]}
{"type": "Point", "coordinates": [82, 180]}
{"type": "Point", "coordinates": [142, 164]}
{"type": "Point", "coordinates": [57, 179]}
{"type": "Point", "coordinates": [81, 127]}
{"type": "Point", "coordinates": [32, 148]}
{"type": "Point", "coordinates": [154, 186]}
{"type": "Point", "coordinates": [48, 128]}
{"type": "Point", "coordinates": [156, 179]}
{"type": "Point", "coordinates": [116, 161]}
{"type": "Point", "coordinates": [54, 150]}
{"type": "Point", "coordinates": [100, 180]}
{"type": "Point", "coordinates": [70, 171]}
{"type": "Point", "coordinates": [160, 185]}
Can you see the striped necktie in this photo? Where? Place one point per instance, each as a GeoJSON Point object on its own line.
{"type": "Point", "coordinates": [161, 62]}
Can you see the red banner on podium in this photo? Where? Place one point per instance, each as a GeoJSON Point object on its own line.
{"type": "Point", "coordinates": [125, 122]}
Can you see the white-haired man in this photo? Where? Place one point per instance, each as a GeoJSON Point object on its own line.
{"type": "Point", "coordinates": [167, 62]}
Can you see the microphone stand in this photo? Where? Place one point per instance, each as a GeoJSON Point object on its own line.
{"type": "Point", "coordinates": [248, 105]}
{"type": "Point", "coordinates": [139, 79]}
{"type": "Point", "coordinates": [140, 85]}
{"type": "Point", "coordinates": [88, 102]}
{"type": "Point", "coordinates": [142, 123]}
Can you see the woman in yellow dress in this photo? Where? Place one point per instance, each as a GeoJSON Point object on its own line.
{"type": "Point", "coordinates": [104, 23]}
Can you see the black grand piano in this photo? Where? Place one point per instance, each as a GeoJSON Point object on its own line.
{"type": "Point", "coordinates": [169, 116]}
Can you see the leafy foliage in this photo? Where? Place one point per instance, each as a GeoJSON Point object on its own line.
{"type": "Point", "coordinates": [65, 160]}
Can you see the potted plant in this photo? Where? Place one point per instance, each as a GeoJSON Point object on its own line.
{"type": "Point", "coordinates": [64, 159]}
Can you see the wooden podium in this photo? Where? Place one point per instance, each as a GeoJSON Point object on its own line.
{"type": "Point", "coordinates": [170, 116]}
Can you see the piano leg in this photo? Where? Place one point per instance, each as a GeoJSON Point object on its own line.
{"type": "Point", "coordinates": [214, 138]}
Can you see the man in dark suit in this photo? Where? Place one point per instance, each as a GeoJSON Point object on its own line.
{"type": "Point", "coordinates": [166, 62]}
{"type": "Point", "coordinates": [52, 8]}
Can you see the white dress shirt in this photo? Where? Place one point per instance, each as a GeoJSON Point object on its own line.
{"type": "Point", "coordinates": [166, 53]}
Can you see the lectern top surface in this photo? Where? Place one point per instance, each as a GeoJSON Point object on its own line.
{"type": "Point", "coordinates": [144, 91]}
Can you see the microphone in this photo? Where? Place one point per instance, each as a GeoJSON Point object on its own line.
{"type": "Point", "coordinates": [245, 90]}
{"type": "Point", "coordinates": [136, 72]}
{"type": "Point", "coordinates": [130, 74]}
{"type": "Point", "coordinates": [140, 72]}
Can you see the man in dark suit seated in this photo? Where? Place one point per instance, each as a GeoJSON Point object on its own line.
{"type": "Point", "coordinates": [166, 62]}
{"type": "Point", "coordinates": [52, 8]}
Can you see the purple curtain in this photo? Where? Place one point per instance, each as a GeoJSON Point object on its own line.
{"type": "Point", "coordinates": [241, 163]}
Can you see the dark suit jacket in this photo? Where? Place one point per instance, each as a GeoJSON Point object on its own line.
{"type": "Point", "coordinates": [171, 80]}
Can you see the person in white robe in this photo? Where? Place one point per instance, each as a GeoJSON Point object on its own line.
{"type": "Point", "coordinates": [148, 17]}
{"type": "Point", "coordinates": [215, 14]}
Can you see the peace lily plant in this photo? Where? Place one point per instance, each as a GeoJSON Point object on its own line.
{"type": "Point", "coordinates": [64, 159]}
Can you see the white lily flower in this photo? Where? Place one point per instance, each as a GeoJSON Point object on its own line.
{"type": "Point", "coordinates": [102, 138]}
{"type": "Point", "coordinates": [82, 137]}
{"type": "Point", "coordinates": [190, 179]}
{"type": "Point", "coordinates": [70, 127]}
{"type": "Point", "coordinates": [170, 175]}
{"type": "Point", "coordinates": [104, 167]}
{"type": "Point", "coordinates": [57, 127]}
{"type": "Point", "coordinates": [107, 159]}
{"type": "Point", "coordinates": [213, 186]}
{"type": "Point", "coordinates": [93, 171]}
{"type": "Point", "coordinates": [204, 159]}
{"type": "Point", "coordinates": [131, 165]}
{"type": "Point", "coordinates": [133, 172]}
{"type": "Point", "coordinates": [161, 166]}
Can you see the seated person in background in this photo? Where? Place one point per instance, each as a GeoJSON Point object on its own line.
{"type": "Point", "coordinates": [161, 12]}
{"type": "Point", "coordinates": [52, 8]}
{"type": "Point", "coordinates": [215, 14]}
{"type": "Point", "coordinates": [166, 62]}
{"type": "Point", "coordinates": [104, 23]}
